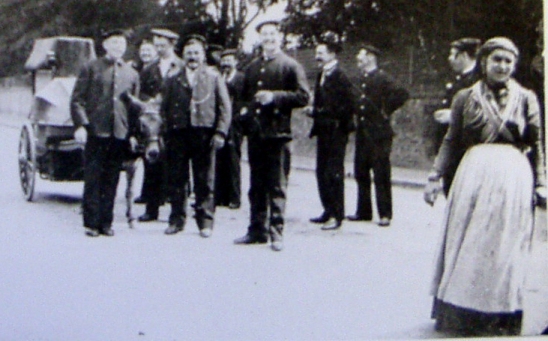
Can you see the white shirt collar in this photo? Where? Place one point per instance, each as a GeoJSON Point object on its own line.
{"type": "Point", "coordinates": [328, 67]}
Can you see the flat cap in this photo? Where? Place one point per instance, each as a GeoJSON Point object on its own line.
{"type": "Point", "coordinates": [267, 22]}
{"type": "Point", "coordinates": [498, 43]}
{"type": "Point", "coordinates": [114, 32]}
{"type": "Point", "coordinates": [332, 40]}
{"type": "Point", "coordinates": [370, 48]}
{"type": "Point", "coordinates": [466, 44]}
{"type": "Point", "coordinates": [162, 32]}
{"type": "Point", "coordinates": [194, 38]}
{"type": "Point", "coordinates": [229, 52]}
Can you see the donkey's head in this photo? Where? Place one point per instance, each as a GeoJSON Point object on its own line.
{"type": "Point", "coordinates": [151, 124]}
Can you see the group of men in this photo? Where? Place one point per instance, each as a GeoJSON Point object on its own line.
{"type": "Point", "coordinates": [206, 111]}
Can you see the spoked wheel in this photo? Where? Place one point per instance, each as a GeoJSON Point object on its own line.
{"type": "Point", "coordinates": [27, 162]}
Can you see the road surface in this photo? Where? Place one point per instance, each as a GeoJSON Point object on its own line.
{"type": "Point", "coordinates": [362, 282]}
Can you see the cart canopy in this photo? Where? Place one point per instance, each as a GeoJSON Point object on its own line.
{"type": "Point", "coordinates": [67, 54]}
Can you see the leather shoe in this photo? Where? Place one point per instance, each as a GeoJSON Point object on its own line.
{"type": "Point", "coordinates": [147, 217]}
{"type": "Point", "coordinates": [384, 222]}
{"type": "Point", "coordinates": [332, 224]}
{"type": "Point", "coordinates": [247, 239]}
{"type": "Point", "coordinates": [206, 232]}
{"type": "Point", "coordinates": [140, 200]}
{"type": "Point", "coordinates": [107, 231]}
{"type": "Point", "coordinates": [172, 229]}
{"type": "Point", "coordinates": [91, 232]}
{"type": "Point", "coordinates": [320, 220]}
{"type": "Point", "coordinates": [356, 217]}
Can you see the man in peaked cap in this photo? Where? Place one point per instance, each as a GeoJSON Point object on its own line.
{"type": "Point", "coordinates": [379, 97]}
{"type": "Point", "coordinates": [105, 125]}
{"type": "Point", "coordinates": [462, 59]}
{"type": "Point", "coordinates": [274, 85]}
{"type": "Point", "coordinates": [227, 175]}
{"type": "Point", "coordinates": [152, 79]}
{"type": "Point", "coordinates": [197, 112]}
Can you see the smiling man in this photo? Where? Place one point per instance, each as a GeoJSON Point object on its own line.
{"type": "Point", "coordinates": [197, 112]}
{"type": "Point", "coordinates": [274, 85]}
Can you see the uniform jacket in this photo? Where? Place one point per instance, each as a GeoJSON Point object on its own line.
{"type": "Point", "coordinates": [334, 102]}
{"type": "Point", "coordinates": [461, 82]}
{"type": "Point", "coordinates": [96, 103]}
{"type": "Point", "coordinates": [151, 78]}
{"type": "Point", "coordinates": [206, 104]}
{"type": "Point", "coordinates": [379, 96]}
{"type": "Point", "coordinates": [286, 78]}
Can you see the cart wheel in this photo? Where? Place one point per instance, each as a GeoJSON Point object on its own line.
{"type": "Point", "coordinates": [27, 162]}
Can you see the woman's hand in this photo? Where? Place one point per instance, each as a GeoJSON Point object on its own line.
{"type": "Point", "coordinates": [540, 196]}
{"type": "Point", "coordinates": [81, 135]}
{"type": "Point", "coordinates": [431, 192]}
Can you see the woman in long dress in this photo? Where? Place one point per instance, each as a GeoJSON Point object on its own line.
{"type": "Point", "coordinates": [494, 141]}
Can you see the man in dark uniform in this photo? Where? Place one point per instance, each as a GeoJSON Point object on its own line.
{"type": "Point", "coordinates": [105, 125]}
{"type": "Point", "coordinates": [152, 78]}
{"type": "Point", "coordinates": [196, 110]}
{"type": "Point", "coordinates": [379, 97]}
{"type": "Point", "coordinates": [462, 58]}
{"type": "Point", "coordinates": [333, 112]}
{"type": "Point", "coordinates": [274, 85]}
{"type": "Point", "coordinates": [227, 174]}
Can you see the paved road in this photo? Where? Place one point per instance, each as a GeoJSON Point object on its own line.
{"type": "Point", "coordinates": [362, 282]}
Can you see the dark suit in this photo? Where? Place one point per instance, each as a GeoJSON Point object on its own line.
{"type": "Point", "coordinates": [227, 174]}
{"type": "Point", "coordinates": [333, 112]}
{"type": "Point", "coordinates": [269, 133]}
{"type": "Point", "coordinates": [461, 82]}
{"type": "Point", "coordinates": [96, 104]}
{"type": "Point", "coordinates": [379, 97]}
{"type": "Point", "coordinates": [154, 188]}
{"type": "Point", "coordinates": [192, 115]}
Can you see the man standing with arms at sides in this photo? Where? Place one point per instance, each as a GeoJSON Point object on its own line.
{"type": "Point", "coordinates": [379, 97]}
{"type": "Point", "coordinates": [462, 59]}
{"type": "Point", "coordinates": [274, 85]}
{"type": "Point", "coordinates": [333, 112]}
{"type": "Point", "coordinates": [152, 78]}
{"type": "Point", "coordinates": [227, 175]}
{"type": "Point", "coordinates": [196, 110]}
{"type": "Point", "coordinates": [104, 124]}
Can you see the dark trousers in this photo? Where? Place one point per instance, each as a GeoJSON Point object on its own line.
{"type": "Point", "coordinates": [182, 147]}
{"type": "Point", "coordinates": [269, 167]}
{"type": "Point", "coordinates": [227, 173]}
{"type": "Point", "coordinates": [373, 155]}
{"type": "Point", "coordinates": [102, 166]}
{"type": "Point", "coordinates": [330, 171]}
{"type": "Point", "coordinates": [154, 185]}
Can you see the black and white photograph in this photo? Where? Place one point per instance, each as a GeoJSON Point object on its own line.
{"type": "Point", "coordinates": [273, 170]}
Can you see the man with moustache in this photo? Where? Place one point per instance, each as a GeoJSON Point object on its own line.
{"type": "Point", "coordinates": [104, 124]}
{"type": "Point", "coordinates": [274, 85]}
{"type": "Point", "coordinates": [152, 78]}
{"type": "Point", "coordinates": [227, 175]}
{"type": "Point", "coordinates": [196, 110]}
{"type": "Point", "coordinates": [379, 97]}
{"type": "Point", "coordinates": [333, 112]}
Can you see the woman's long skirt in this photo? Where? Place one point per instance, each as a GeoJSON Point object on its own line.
{"type": "Point", "coordinates": [480, 269]}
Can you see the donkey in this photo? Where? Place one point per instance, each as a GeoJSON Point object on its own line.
{"type": "Point", "coordinates": [149, 146]}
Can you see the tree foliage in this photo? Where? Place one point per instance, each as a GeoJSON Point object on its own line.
{"type": "Point", "coordinates": [426, 24]}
